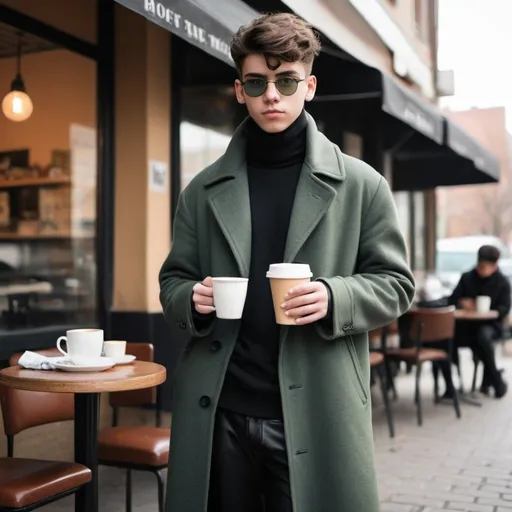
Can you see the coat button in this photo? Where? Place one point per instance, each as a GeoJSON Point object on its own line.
{"type": "Point", "coordinates": [215, 346]}
{"type": "Point", "coordinates": [181, 324]}
{"type": "Point", "coordinates": [205, 401]}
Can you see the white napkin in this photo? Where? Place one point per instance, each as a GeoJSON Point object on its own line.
{"type": "Point", "coordinates": [35, 361]}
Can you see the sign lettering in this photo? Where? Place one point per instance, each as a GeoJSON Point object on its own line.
{"type": "Point", "coordinates": [191, 30]}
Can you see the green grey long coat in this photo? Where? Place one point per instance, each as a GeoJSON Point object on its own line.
{"type": "Point", "coordinates": [344, 225]}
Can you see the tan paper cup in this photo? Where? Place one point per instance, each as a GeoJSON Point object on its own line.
{"type": "Point", "coordinates": [283, 277]}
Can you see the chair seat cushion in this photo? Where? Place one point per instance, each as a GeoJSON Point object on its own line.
{"type": "Point", "coordinates": [376, 358]}
{"type": "Point", "coordinates": [28, 481]}
{"type": "Point", "coordinates": [409, 354]}
{"type": "Point", "coordinates": [145, 446]}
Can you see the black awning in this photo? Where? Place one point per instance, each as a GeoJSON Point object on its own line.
{"type": "Point", "coordinates": [468, 147]}
{"type": "Point", "coordinates": [342, 81]}
{"type": "Point", "coordinates": [461, 160]}
{"type": "Point", "coordinates": [428, 150]}
{"type": "Point", "coordinates": [409, 108]}
{"type": "Point", "coordinates": [207, 24]}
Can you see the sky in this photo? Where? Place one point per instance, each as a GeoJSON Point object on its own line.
{"type": "Point", "coordinates": [475, 41]}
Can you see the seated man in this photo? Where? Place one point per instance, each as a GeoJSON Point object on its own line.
{"type": "Point", "coordinates": [484, 279]}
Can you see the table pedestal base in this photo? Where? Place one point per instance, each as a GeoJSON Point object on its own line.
{"type": "Point", "coordinates": [86, 448]}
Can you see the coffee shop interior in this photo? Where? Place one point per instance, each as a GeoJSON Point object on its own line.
{"type": "Point", "coordinates": [47, 184]}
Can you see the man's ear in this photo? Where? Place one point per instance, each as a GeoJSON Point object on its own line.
{"type": "Point", "coordinates": [239, 90]}
{"type": "Point", "coordinates": [311, 82]}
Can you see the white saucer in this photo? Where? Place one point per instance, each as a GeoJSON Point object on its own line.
{"type": "Point", "coordinates": [98, 365]}
{"type": "Point", "coordinates": [126, 359]}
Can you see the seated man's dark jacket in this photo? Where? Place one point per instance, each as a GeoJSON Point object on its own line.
{"type": "Point", "coordinates": [497, 286]}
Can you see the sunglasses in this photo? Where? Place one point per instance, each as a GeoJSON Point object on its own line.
{"type": "Point", "coordinates": [286, 85]}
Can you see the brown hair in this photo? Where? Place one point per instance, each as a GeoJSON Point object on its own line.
{"type": "Point", "coordinates": [279, 37]}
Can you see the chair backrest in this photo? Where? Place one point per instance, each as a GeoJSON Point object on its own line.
{"type": "Point", "coordinates": [23, 409]}
{"type": "Point", "coordinates": [432, 324]}
{"type": "Point", "coordinates": [137, 397]}
{"type": "Point", "coordinates": [378, 337]}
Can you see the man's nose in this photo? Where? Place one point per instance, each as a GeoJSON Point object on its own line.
{"type": "Point", "coordinates": [271, 93]}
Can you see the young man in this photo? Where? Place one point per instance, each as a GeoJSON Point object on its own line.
{"type": "Point", "coordinates": [269, 418]}
{"type": "Point", "coordinates": [484, 279]}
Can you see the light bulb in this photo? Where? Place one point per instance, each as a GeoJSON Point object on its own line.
{"type": "Point", "coordinates": [17, 106]}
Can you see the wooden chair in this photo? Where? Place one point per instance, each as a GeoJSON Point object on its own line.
{"type": "Point", "coordinates": [432, 326]}
{"type": "Point", "coordinates": [28, 484]}
{"type": "Point", "coordinates": [142, 448]}
{"type": "Point", "coordinates": [377, 363]}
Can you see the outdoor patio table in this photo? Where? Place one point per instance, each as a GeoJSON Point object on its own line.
{"type": "Point", "coordinates": [87, 388]}
{"type": "Point", "coordinates": [475, 316]}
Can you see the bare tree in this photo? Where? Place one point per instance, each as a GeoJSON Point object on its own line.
{"type": "Point", "coordinates": [497, 210]}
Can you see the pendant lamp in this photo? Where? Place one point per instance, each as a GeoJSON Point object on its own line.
{"type": "Point", "coordinates": [17, 105]}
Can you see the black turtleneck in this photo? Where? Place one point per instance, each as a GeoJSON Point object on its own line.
{"type": "Point", "coordinates": [274, 162]}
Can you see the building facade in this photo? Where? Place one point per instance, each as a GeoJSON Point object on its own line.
{"type": "Point", "coordinates": [481, 209]}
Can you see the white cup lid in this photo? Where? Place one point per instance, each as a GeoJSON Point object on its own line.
{"type": "Point", "coordinates": [289, 271]}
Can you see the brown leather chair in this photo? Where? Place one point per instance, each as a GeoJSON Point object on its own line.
{"type": "Point", "coordinates": [377, 363]}
{"type": "Point", "coordinates": [432, 326]}
{"type": "Point", "coordinates": [28, 484]}
{"type": "Point", "coordinates": [142, 448]}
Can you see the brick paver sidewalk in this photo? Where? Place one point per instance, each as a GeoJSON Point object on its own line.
{"type": "Point", "coordinates": [448, 464]}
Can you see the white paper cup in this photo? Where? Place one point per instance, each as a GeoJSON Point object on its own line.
{"type": "Point", "coordinates": [483, 304]}
{"type": "Point", "coordinates": [283, 277]}
{"type": "Point", "coordinates": [114, 348]}
{"type": "Point", "coordinates": [229, 295]}
{"type": "Point", "coordinates": [84, 345]}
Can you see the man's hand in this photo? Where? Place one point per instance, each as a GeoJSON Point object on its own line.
{"type": "Point", "coordinates": [467, 304]}
{"type": "Point", "coordinates": [203, 296]}
{"type": "Point", "coordinates": [307, 303]}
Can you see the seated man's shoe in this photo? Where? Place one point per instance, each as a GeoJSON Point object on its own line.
{"type": "Point", "coordinates": [500, 390]}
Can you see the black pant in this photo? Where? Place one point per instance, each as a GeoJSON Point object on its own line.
{"type": "Point", "coordinates": [249, 470]}
{"type": "Point", "coordinates": [480, 339]}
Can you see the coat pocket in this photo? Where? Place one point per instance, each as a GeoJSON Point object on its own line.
{"type": "Point", "coordinates": [361, 389]}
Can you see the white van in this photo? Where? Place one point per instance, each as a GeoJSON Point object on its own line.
{"type": "Point", "coordinates": [459, 254]}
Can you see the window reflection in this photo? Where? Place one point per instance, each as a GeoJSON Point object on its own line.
{"type": "Point", "coordinates": [210, 115]}
{"type": "Point", "coordinates": [48, 196]}
{"type": "Point", "coordinates": [200, 146]}
{"type": "Point", "coordinates": [404, 217]}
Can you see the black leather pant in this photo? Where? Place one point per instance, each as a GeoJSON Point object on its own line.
{"type": "Point", "coordinates": [249, 471]}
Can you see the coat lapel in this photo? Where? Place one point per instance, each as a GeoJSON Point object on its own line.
{"type": "Point", "coordinates": [314, 194]}
{"type": "Point", "coordinates": [228, 195]}
{"type": "Point", "coordinates": [229, 200]}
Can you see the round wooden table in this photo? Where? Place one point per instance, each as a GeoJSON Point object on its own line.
{"type": "Point", "coordinates": [87, 388]}
{"type": "Point", "coordinates": [463, 314]}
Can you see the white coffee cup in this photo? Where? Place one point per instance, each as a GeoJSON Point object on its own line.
{"type": "Point", "coordinates": [229, 295]}
{"type": "Point", "coordinates": [483, 304]}
{"type": "Point", "coordinates": [283, 277]}
{"type": "Point", "coordinates": [84, 345]}
{"type": "Point", "coordinates": [114, 348]}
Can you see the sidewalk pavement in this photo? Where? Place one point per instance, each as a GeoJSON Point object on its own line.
{"type": "Point", "coordinates": [454, 465]}
{"type": "Point", "coordinates": [447, 464]}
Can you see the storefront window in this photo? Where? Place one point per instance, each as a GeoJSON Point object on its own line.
{"type": "Point", "coordinates": [48, 194]}
{"type": "Point", "coordinates": [353, 144]}
{"type": "Point", "coordinates": [419, 231]}
{"type": "Point", "coordinates": [404, 217]}
{"type": "Point", "coordinates": [209, 117]}
{"type": "Point", "coordinates": [200, 146]}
